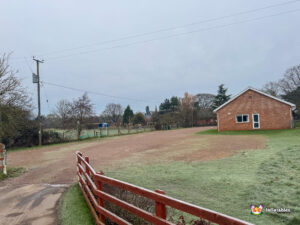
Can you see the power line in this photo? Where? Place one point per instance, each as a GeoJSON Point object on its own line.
{"type": "Point", "coordinates": [95, 93]}
{"type": "Point", "coordinates": [176, 35]}
{"type": "Point", "coordinates": [29, 67]}
{"type": "Point", "coordinates": [169, 28]}
{"type": "Point", "coordinates": [46, 96]}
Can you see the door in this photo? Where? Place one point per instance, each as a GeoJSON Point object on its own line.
{"type": "Point", "coordinates": [255, 121]}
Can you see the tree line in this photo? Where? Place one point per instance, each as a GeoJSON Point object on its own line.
{"type": "Point", "coordinates": [287, 88]}
{"type": "Point", "coordinates": [19, 126]}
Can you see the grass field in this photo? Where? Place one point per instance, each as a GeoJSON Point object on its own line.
{"type": "Point", "coordinates": [87, 135]}
{"type": "Point", "coordinates": [72, 134]}
{"type": "Point", "coordinates": [230, 185]}
{"type": "Point", "coordinates": [11, 172]}
{"type": "Point", "coordinates": [73, 209]}
{"type": "Point", "coordinates": [270, 176]}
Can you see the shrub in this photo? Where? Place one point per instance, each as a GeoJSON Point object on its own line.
{"type": "Point", "coordinates": [181, 221]}
{"type": "Point", "coordinates": [136, 200]}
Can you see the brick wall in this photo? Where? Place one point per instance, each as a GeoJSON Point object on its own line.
{"type": "Point", "coordinates": [273, 114]}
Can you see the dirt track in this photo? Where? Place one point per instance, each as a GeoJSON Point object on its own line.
{"type": "Point", "coordinates": [32, 197]}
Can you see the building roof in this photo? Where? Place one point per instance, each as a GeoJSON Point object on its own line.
{"type": "Point", "coordinates": [253, 89]}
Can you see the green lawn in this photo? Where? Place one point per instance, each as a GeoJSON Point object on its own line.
{"type": "Point", "coordinates": [73, 209]}
{"type": "Point", "coordinates": [268, 176]}
{"type": "Point", "coordinates": [90, 133]}
{"type": "Point", "coordinates": [11, 172]}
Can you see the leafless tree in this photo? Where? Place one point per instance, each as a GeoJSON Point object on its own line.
{"type": "Point", "coordinates": [290, 80]}
{"type": "Point", "coordinates": [204, 101]}
{"type": "Point", "coordinates": [112, 113]}
{"type": "Point", "coordinates": [272, 88]}
{"type": "Point", "coordinates": [63, 112]}
{"type": "Point", "coordinates": [81, 109]}
{"type": "Point", "coordinates": [203, 106]}
{"type": "Point", "coordinates": [15, 118]}
{"type": "Point", "coordinates": [11, 91]}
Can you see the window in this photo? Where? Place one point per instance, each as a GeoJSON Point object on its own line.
{"type": "Point", "coordinates": [256, 121]}
{"type": "Point", "coordinates": [243, 118]}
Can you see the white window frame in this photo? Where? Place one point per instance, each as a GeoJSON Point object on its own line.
{"type": "Point", "coordinates": [255, 122]}
{"type": "Point", "coordinates": [242, 118]}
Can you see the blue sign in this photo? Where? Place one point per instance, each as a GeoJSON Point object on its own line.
{"type": "Point", "coordinates": [100, 125]}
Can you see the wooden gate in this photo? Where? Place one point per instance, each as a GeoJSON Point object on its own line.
{"type": "Point", "coordinates": [91, 184]}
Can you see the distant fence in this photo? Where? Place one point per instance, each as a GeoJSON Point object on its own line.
{"type": "Point", "coordinates": [3, 158]}
{"type": "Point", "coordinates": [91, 184]}
{"type": "Point", "coordinates": [60, 135]}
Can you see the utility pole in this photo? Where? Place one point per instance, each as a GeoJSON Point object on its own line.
{"type": "Point", "coordinates": [37, 80]}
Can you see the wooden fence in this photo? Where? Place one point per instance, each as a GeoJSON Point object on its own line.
{"type": "Point", "coordinates": [3, 158]}
{"type": "Point", "coordinates": [91, 184]}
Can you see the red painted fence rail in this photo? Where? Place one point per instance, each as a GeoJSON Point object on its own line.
{"type": "Point", "coordinates": [91, 184]}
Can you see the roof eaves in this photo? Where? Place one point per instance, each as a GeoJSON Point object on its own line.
{"type": "Point", "coordinates": [253, 89]}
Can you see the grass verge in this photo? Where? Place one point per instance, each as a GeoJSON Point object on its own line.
{"type": "Point", "coordinates": [12, 172]}
{"type": "Point", "coordinates": [268, 176]}
{"type": "Point", "coordinates": [73, 209]}
{"type": "Point", "coordinates": [71, 142]}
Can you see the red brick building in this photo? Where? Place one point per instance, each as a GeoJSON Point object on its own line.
{"type": "Point", "coordinates": [253, 109]}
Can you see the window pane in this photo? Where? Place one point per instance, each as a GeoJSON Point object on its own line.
{"type": "Point", "coordinates": [239, 119]}
{"type": "Point", "coordinates": [245, 118]}
{"type": "Point", "coordinates": [255, 118]}
{"type": "Point", "coordinates": [256, 125]}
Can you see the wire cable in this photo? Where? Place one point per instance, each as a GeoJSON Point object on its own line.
{"type": "Point", "coordinates": [46, 96]}
{"type": "Point", "coordinates": [95, 93]}
{"type": "Point", "coordinates": [175, 35]}
{"type": "Point", "coordinates": [169, 28]}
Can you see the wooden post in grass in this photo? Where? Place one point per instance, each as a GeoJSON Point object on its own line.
{"type": "Point", "coordinates": [160, 208]}
{"type": "Point", "coordinates": [3, 158]}
{"type": "Point", "coordinates": [100, 201]}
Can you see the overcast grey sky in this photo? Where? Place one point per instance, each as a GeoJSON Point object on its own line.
{"type": "Point", "coordinates": [150, 67]}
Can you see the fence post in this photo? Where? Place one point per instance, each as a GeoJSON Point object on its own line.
{"type": "Point", "coordinates": [100, 201]}
{"type": "Point", "coordinates": [78, 162]}
{"type": "Point", "coordinates": [3, 158]}
{"type": "Point", "coordinates": [160, 209]}
{"type": "Point", "coordinates": [86, 168]}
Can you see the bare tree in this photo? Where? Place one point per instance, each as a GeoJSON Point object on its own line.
{"type": "Point", "coordinates": [16, 124]}
{"type": "Point", "coordinates": [63, 112]}
{"type": "Point", "coordinates": [204, 101]}
{"type": "Point", "coordinates": [112, 113]}
{"type": "Point", "coordinates": [11, 91]}
{"type": "Point", "coordinates": [204, 106]}
{"type": "Point", "coordinates": [272, 88]}
{"type": "Point", "coordinates": [81, 110]}
{"type": "Point", "coordinates": [290, 80]}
